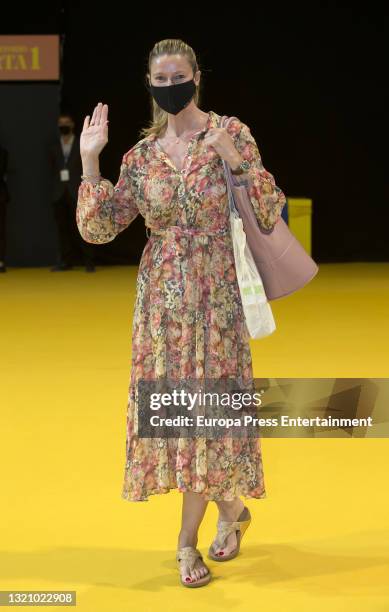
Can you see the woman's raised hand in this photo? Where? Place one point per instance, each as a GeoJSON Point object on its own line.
{"type": "Point", "coordinates": [94, 135]}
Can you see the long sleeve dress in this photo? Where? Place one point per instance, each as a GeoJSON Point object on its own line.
{"type": "Point", "coordinates": [188, 320]}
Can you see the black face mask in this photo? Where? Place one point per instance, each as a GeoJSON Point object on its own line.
{"type": "Point", "coordinates": [173, 98]}
{"type": "Point", "coordinates": [65, 129]}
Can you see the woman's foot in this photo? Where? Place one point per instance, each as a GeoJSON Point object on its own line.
{"type": "Point", "coordinates": [229, 511]}
{"type": "Point", "coordinates": [199, 569]}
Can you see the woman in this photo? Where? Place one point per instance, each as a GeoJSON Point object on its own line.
{"type": "Point", "coordinates": [188, 320]}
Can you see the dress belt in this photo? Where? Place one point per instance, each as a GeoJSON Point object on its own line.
{"type": "Point", "coordinates": [191, 231]}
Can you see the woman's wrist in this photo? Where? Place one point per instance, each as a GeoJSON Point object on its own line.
{"type": "Point", "coordinates": [91, 166]}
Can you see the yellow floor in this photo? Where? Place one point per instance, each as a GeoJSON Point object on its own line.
{"type": "Point", "coordinates": [319, 541]}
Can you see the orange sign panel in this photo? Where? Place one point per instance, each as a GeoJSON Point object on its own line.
{"type": "Point", "coordinates": [29, 57]}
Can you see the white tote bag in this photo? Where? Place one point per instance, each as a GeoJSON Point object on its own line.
{"type": "Point", "coordinates": [257, 310]}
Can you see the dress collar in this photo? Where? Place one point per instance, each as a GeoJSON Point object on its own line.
{"type": "Point", "coordinates": [212, 121]}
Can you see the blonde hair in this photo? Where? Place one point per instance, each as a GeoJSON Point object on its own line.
{"type": "Point", "coordinates": [168, 46]}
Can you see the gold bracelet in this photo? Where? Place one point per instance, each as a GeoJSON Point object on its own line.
{"type": "Point", "coordinates": [91, 176]}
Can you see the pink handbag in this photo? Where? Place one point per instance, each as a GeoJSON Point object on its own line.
{"type": "Point", "coordinates": [282, 262]}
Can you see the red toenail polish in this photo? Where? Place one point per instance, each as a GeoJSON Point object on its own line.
{"type": "Point", "coordinates": [188, 580]}
{"type": "Point", "coordinates": [221, 552]}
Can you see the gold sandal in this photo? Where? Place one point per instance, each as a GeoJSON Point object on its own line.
{"type": "Point", "coordinates": [224, 529]}
{"type": "Point", "coordinates": [190, 554]}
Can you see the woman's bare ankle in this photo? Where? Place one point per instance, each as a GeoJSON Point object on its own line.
{"type": "Point", "coordinates": [187, 538]}
{"type": "Point", "coordinates": [230, 511]}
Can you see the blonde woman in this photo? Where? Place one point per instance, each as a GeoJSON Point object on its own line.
{"type": "Point", "coordinates": [188, 320]}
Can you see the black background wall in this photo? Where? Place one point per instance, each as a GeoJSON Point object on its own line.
{"type": "Point", "coordinates": [309, 80]}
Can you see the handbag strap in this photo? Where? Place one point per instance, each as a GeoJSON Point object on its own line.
{"type": "Point", "coordinates": [224, 121]}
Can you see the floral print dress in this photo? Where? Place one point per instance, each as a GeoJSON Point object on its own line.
{"type": "Point", "coordinates": [188, 320]}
